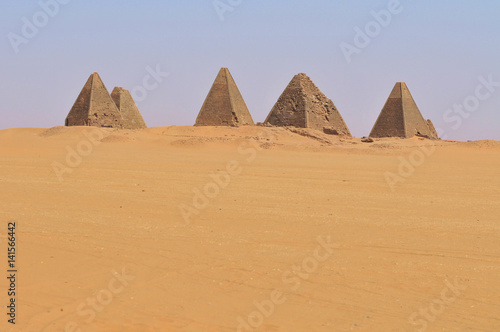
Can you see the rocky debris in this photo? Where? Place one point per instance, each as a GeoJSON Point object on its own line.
{"type": "Point", "coordinates": [309, 134]}
{"type": "Point", "coordinates": [333, 131]}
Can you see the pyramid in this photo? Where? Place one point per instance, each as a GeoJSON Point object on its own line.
{"type": "Point", "coordinates": [131, 117]}
{"type": "Point", "coordinates": [94, 106]}
{"type": "Point", "coordinates": [224, 105]}
{"type": "Point", "coordinates": [434, 133]}
{"type": "Point", "coordinates": [401, 117]}
{"type": "Point", "coordinates": [303, 105]}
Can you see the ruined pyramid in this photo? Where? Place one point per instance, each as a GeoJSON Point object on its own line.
{"type": "Point", "coordinates": [401, 117]}
{"type": "Point", "coordinates": [303, 105]}
{"type": "Point", "coordinates": [434, 133]}
{"type": "Point", "coordinates": [131, 117]}
{"type": "Point", "coordinates": [94, 106]}
{"type": "Point", "coordinates": [224, 105]}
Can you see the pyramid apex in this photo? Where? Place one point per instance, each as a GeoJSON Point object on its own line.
{"type": "Point", "coordinates": [300, 77]}
{"type": "Point", "coordinates": [304, 76]}
{"type": "Point", "coordinates": [224, 71]}
{"type": "Point", "coordinates": [95, 76]}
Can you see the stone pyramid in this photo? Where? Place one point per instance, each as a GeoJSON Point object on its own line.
{"type": "Point", "coordinates": [434, 133]}
{"type": "Point", "coordinates": [303, 105]}
{"type": "Point", "coordinates": [401, 117]}
{"type": "Point", "coordinates": [131, 117]}
{"type": "Point", "coordinates": [94, 106]}
{"type": "Point", "coordinates": [224, 105]}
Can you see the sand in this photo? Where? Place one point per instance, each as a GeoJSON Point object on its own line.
{"type": "Point", "coordinates": [305, 234]}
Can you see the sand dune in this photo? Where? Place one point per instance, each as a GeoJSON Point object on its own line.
{"type": "Point", "coordinates": [211, 229]}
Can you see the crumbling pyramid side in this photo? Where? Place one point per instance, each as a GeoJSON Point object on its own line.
{"type": "Point", "coordinates": [289, 110]}
{"type": "Point", "coordinates": [303, 105]}
{"type": "Point", "coordinates": [321, 112]}
{"type": "Point", "coordinates": [432, 129]}
{"type": "Point", "coordinates": [132, 118]}
{"type": "Point", "coordinates": [224, 105]}
{"type": "Point", "coordinates": [94, 106]}
{"type": "Point", "coordinates": [400, 116]}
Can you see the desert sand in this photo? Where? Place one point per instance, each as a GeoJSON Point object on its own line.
{"type": "Point", "coordinates": [309, 221]}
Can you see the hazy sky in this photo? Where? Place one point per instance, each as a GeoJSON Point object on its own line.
{"type": "Point", "coordinates": [448, 52]}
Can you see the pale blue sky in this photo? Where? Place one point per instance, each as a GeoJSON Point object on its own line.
{"type": "Point", "coordinates": [439, 48]}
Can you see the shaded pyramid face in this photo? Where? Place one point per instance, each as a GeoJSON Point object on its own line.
{"type": "Point", "coordinates": [401, 117]}
{"type": "Point", "coordinates": [94, 106]}
{"type": "Point", "coordinates": [303, 105]}
{"type": "Point", "coordinates": [224, 105]}
{"type": "Point", "coordinates": [131, 117]}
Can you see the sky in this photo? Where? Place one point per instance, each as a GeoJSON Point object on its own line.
{"type": "Point", "coordinates": [168, 53]}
